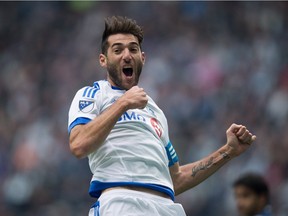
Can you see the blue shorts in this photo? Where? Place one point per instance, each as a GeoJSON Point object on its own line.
{"type": "Point", "coordinates": [134, 203]}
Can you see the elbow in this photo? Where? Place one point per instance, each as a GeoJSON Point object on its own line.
{"type": "Point", "coordinates": [180, 190]}
{"type": "Point", "coordinates": [78, 150]}
{"type": "Point", "coordinates": [177, 187]}
{"type": "Point", "coordinates": [79, 145]}
{"type": "Point", "coordinates": [177, 190]}
{"type": "Point", "coordinates": [180, 183]}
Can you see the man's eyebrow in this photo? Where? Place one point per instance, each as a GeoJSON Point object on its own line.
{"type": "Point", "coordinates": [117, 44]}
{"type": "Point", "coordinates": [121, 44]}
{"type": "Point", "coordinates": [134, 43]}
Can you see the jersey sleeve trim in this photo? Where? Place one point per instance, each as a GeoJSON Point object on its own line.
{"type": "Point", "coordinates": [171, 153]}
{"type": "Point", "coordinates": [78, 121]}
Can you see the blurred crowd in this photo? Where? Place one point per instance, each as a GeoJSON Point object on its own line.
{"type": "Point", "coordinates": [208, 64]}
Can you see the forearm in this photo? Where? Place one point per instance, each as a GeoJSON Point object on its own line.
{"type": "Point", "coordinates": [192, 174]}
{"type": "Point", "coordinates": [85, 139]}
{"type": "Point", "coordinates": [188, 176]}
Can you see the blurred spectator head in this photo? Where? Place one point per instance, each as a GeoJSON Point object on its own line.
{"type": "Point", "coordinates": [251, 194]}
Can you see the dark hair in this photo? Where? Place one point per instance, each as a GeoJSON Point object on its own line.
{"type": "Point", "coordinates": [254, 182]}
{"type": "Point", "coordinates": [119, 24]}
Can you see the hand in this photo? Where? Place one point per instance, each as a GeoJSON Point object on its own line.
{"type": "Point", "coordinates": [135, 98]}
{"type": "Point", "coordinates": [239, 139]}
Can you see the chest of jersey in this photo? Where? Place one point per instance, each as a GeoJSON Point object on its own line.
{"type": "Point", "coordinates": [150, 118]}
{"type": "Point", "coordinates": [145, 118]}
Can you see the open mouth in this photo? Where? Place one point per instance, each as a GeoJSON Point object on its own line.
{"type": "Point", "coordinates": [128, 71]}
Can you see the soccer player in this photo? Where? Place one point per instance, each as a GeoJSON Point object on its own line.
{"type": "Point", "coordinates": [124, 134]}
{"type": "Point", "coordinates": [252, 195]}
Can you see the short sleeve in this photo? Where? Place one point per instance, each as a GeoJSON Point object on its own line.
{"type": "Point", "coordinates": [171, 154]}
{"type": "Point", "coordinates": [83, 108]}
{"type": "Point", "coordinates": [170, 151]}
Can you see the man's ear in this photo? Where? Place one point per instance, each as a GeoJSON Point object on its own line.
{"type": "Point", "coordinates": [143, 57]}
{"type": "Point", "coordinates": [103, 60]}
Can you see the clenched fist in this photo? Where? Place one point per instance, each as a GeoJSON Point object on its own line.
{"type": "Point", "coordinates": [238, 139]}
{"type": "Point", "coordinates": [135, 98]}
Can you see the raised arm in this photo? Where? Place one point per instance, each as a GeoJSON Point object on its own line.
{"type": "Point", "coordinates": [188, 176]}
{"type": "Point", "coordinates": [87, 138]}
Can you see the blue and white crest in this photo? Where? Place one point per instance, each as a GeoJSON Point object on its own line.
{"type": "Point", "coordinates": [86, 106]}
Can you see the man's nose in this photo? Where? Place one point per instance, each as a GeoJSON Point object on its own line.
{"type": "Point", "coordinates": [127, 55]}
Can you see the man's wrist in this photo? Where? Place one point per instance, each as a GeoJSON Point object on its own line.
{"type": "Point", "coordinates": [123, 105]}
{"type": "Point", "coordinates": [228, 152]}
{"type": "Point", "coordinates": [225, 155]}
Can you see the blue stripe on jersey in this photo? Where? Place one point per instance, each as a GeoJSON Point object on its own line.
{"type": "Point", "coordinates": [94, 92]}
{"type": "Point", "coordinates": [85, 91]}
{"type": "Point", "coordinates": [91, 91]}
{"type": "Point", "coordinates": [96, 85]}
{"type": "Point", "coordinates": [171, 153]}
{"type": "Point", "coordinates": [78, 121]}
{"type": "Point", "coordinates": [96, 187]}
{"type": "Point", "coordinates": [96, 208]}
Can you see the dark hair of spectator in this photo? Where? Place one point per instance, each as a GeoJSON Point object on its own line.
{"type": "Point", "coordinates": [254, 182]}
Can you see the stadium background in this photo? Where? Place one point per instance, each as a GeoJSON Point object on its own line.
{"type": "Point", "coordinates": [208, 64]}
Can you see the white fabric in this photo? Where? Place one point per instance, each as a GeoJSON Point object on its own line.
{"type": "Point", "coordinates": [134, 203]}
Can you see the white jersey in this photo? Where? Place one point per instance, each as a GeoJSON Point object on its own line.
{"type": "Point", "coordinates": [137, 152]}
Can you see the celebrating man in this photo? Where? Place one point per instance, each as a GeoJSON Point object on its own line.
{"type": "Point", "coordinates": [124, 134]}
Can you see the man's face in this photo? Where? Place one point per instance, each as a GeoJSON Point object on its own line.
{"type": "Point", "coordinates": [124, 60]}
{"type": "Point", "coordinates": [248, 203]}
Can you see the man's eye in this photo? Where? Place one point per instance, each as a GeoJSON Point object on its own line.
{"type": "Point", "coordinates": [134, 49]}
{"type": "Point", "coordinates": [117, 51]}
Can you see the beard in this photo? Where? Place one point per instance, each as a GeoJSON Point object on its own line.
{"type": "Point", "coordinates": [115, 74]}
